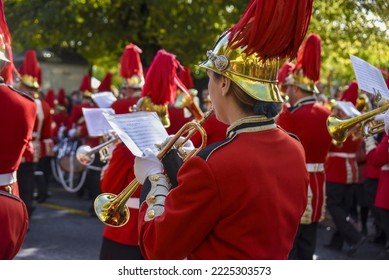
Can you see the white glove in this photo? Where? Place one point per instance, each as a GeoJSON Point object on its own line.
{"type": "Point", "coordinates": [188, 146]}
{"type": "Point", "coordinates": [387, 122]}
{"type": "Point", "coordinates": [72, 132]}
{"type": "Point", "coordinates": [147, 165]}
{"type": "Point", "coordinates": [370, 144]}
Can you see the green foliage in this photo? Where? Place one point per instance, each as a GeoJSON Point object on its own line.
{"type": "Point", "coordinates": [98, 30]}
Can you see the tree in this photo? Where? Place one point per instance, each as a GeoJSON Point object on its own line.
{"type": "Point", "coordinates": [99, 29]}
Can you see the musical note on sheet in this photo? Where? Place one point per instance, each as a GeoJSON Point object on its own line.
{"type": "Point", "coordinates": [138, 130]}
{"type": "Point", "coordinates": [369, 77]}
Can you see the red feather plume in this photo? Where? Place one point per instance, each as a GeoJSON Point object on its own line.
{"type": "Point", "coordinates": [261, 29]}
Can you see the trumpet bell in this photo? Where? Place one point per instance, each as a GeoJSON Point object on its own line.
{"type": "Point", "coordinates": [84, 155]}
{"type": "Point", "coordinates": [109, 211]}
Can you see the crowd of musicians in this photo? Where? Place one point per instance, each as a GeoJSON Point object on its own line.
{"type": "Point", "coordinates": [268, 174]}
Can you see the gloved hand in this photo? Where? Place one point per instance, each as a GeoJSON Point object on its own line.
{"type": "Point", "coordinates": [147, 165]}
{"type": "Point", "coordinates": [72, 132]}
{"type": "Point", "coordinates": [370, 144]}
{"type": "Point", "coordinates": [188, 146]}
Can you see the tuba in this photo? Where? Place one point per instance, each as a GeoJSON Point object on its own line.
{"type": "Point", "coordinates": [340, 129]}
{"type": "Point", "coordinates": [112, 210]}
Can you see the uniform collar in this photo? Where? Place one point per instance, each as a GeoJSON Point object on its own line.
{"type": "Point", "coordinates": [301, 102]}
{"type": "Point", "coordinates": [250, 124]}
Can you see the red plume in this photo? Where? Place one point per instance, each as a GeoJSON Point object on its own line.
{"type": "Point", "coordinates": [261, 29]}
{"type": "Point", "coordinates": [86, 84]}
{"type": "Point", "coordinates": [284, 72]}
{"type": "Point", "coordinates": [9, 68]}
{"type": "Point", "coordinates": [62, 98]}
{"type": "Point", "coordinates": [130, 62]}
{"type": "Point", "coordinates": [50, 98]}
{"type": "Point", "coordinates": [106, 83]}
{"type": "Point", "coordinates": [160, 83]}
{"type": "Point", "coordinates": [186, 77]}
{"type": "Point", "coordinates": [309, 57]}
{"type": "Point", "coordinates": [351, 93]}
{"type": "Point", "coordinates": [30, 67]}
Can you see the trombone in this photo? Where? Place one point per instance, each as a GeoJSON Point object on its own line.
{"type": "Point", "coordinates": [340, 129]}
{"type": "Point", "coordinates": [112, 210]}
{"type": "Point", "coordinates": [86, 155]}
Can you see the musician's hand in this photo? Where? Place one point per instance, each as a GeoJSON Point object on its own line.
{"type": "Point", "coordinates": [187, 147]}
{"type": "Point", "coordinates": [147, 165]}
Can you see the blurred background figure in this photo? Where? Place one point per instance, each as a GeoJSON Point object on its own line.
{"type": "Point", "coordinates": [17, 116]}
{"type": "Point", "coordinates": [304, 111]}
{"type": "Point", "coordinates": [34, 166]}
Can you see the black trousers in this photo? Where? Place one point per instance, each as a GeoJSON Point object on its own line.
{"type": "Point", "coordinates": [111, 250]}
{"type": "Point", "coordinates": [304, 245]}
{"type": "Point", "coordinates": [339, 200]}
{"type": "Point", "coordinates": [27, 183]}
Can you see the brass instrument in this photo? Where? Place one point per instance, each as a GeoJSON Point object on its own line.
{"type": "Point", "coordinates": [112, 210]}
{"type": "Point", "coordinates": [340, 129]}
{"type": "Point", "coordinates": [86, 155]}
{"type": "Point", "coordinates": [186, 99]}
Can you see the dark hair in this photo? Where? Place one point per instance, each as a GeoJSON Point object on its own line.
{"type": "Point", "coordinates": [251, 105]}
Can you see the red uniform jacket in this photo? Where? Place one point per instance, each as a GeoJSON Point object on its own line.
{"type": "Point", "coordinates": [76, 120]}
{"type": "Point", "coordinates": [59, 119]}
{"type": "Point", "coordinates": [117, 174]}
{"type": "Point", "coordinates": [341, 165]}
{"type": "Point", "coordinates": [239, 199]}
{"type": "Point", "coordinates": [379, 157]}
{"type": "Point", "coordinates": [216, 131]}
{"type": "Point", "coordinates": [177, 119]}
{"type": "Point", "coordinates": [42, 135]}
{"type": "Point", "coordinates": [122, 106]}
{"type": "Point", "coordinates": [17, 113]}
{"type": "Point", "coordinates": [308, 121]}
{"type": "Point", "coordinates": [372, 171]}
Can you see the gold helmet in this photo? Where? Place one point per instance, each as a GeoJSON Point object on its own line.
{"type": "Point", "coordinates": [249, 52]}
{"type": "Point", "coordinates": [255, 76]}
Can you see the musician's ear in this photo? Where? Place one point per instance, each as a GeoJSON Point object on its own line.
{"type": "Point", "coordinates": [225, 85]}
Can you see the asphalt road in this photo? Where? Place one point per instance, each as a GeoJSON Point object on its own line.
{"type": "Point", "coordinates": [62, 229]}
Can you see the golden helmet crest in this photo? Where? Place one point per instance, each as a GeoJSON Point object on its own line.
{"type": "Point", "coordinates": [254, 75]}
{"type": "Point", "coordinates": [301, 81]}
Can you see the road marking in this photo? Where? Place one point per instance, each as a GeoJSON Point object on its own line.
{"type": "Point", "coordinates": [66, 209]}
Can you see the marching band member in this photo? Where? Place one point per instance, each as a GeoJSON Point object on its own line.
{"type": "Point", "coordinates": [17, 115]}
{"type": "Point", "coordinates": [341, 177]}
{"type": "Point", "coordinates": [78, 131]}
{"type": "Point", "coordinates": [303, 112]}
{"type": "Point", "coordinates": [378, 154]}
{"type": "Point", "coordinates": [220, 210]}
{"type": "Point", "coordinates": [33, 166]}
{"type": "Point", "coordinates": [131, 70]}
{"type": "Point", "coordinates": [122, 242]}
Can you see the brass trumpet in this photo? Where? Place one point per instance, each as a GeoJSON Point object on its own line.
{"type": "Point", "coordinates": [186, 100]}
{"type": "Point", "coordinates": [340, 129]}
{"type": "Point", "coordinates": [86, 155]}
{"type": "Point", "coordinates": [111, 209]}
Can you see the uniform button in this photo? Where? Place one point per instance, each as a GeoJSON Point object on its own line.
{"type": "Point", "coordinates": [154, 178]}
{"type": "Point", "coordinates": [151, 214]}
{"type": "Point", "coordinates": [151, 199]}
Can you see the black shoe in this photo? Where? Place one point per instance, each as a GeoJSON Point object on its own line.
{"type": "Point", "coordinates": [354, 248]}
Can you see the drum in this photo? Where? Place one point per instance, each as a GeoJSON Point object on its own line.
{"type": "Point", "coordinates": [66, 156]}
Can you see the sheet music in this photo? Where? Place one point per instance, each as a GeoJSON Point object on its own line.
{"type": "Point", "coordinates": [348, 108]}
{"type": "Point", "coordinates": [369, 77]}
{"type": "Point", "coordinates": [138, 130]}
{"type": "Point", "coordinates": [104, 99]}
{"type": "Point", "coordinates": [96, 123]}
